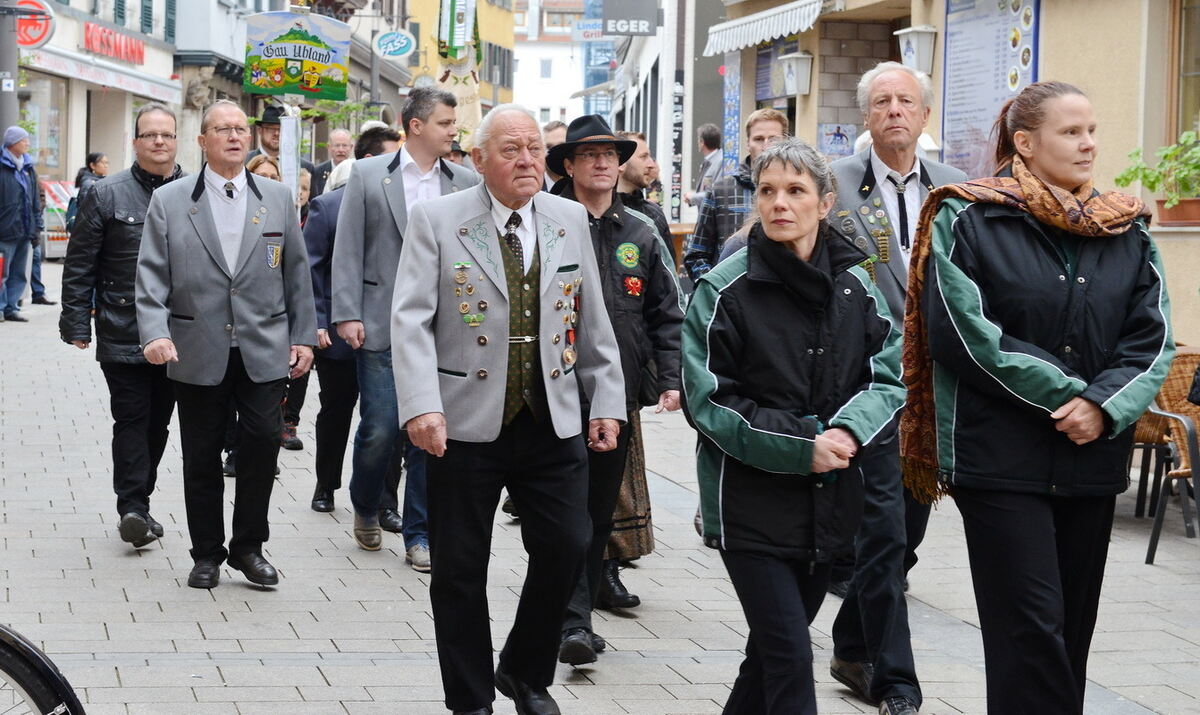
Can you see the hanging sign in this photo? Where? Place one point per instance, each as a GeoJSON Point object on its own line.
{"type": "Point", "coordinates": [296, 53]}
{"type": "Point", "coordinates": [34, 30]}
{"type": "Point", "coordinates": [395, 45]}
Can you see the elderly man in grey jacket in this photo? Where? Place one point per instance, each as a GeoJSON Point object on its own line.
{"type": "Point", "coordinates": [225, 300]}
{"type": "Point", "coordinates": [497, 328]}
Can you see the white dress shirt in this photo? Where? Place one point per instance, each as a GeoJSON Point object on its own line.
{"type": "Point", "coordinates": [500, 216]}
{"type": "Point", "coordinates": [912, 198]}
{"type": "Point", "coordinates": [228, 214]}
{"type": "Point", "coordinates": [418, 187]}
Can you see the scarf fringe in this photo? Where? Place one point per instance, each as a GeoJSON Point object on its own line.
{"type": "Point", "coordinates": [922, 480]}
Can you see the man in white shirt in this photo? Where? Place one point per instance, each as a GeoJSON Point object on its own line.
{"type": "Point", "coordinates": [371, 224]}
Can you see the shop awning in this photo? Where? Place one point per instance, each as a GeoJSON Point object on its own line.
{"type": "Point", "coordinates": [763, 26]}
{"type": "Point", "coordinates": [608, 86]}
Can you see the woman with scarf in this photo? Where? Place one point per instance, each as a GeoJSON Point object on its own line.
{"type": "Point", "coordinates": [1037, 331]}
{"type": "Point", "coordinates": [791, 366]}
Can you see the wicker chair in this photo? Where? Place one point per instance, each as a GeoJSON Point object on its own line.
{"type": "Point", "coordinates": [1151, 435]}
{"type": "Point", "coordinates": [1182, 416]}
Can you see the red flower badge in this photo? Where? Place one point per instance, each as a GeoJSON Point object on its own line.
{"type": "Point", "coordinates": [633, 286]}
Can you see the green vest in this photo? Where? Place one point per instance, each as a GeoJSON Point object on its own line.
{"type": "Point", "coordinates": [523, 384]}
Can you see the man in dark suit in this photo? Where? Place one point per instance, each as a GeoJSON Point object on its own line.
{"type": "Point", "coordinates": [334, 360]}
{"type": "Point", "coordinates": [341, 148]}
{"type": "Point", "coordinates": [268, 127]}
{"type": "Point", "coordinates": [229, 309]}
{"type": "Point", "coordinates": [708, 141]}
{"type": "Point", "coordinates": [879, 199]}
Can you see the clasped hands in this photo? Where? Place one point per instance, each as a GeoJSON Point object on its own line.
{"type": "Point", "coordinates": [428, 432]}
{"type": "Point", "coordinates": [1081, 420]}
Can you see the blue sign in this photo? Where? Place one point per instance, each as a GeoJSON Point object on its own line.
{"type": "Point", "coordinates": [395, 45]}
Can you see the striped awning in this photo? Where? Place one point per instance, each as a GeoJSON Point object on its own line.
{"type": "Point", "coordinates": [763, 26]}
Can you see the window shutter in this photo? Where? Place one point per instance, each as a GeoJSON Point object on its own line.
{"type": "Point", "coordinates": [147, 17]}
{"type": "Point", "coordinates": [169, 28]}
{"type": "Point", "coordinates": [119, 12]}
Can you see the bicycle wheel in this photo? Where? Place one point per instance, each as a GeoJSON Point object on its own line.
{"type": "Point", "coordinates": [27, 688]}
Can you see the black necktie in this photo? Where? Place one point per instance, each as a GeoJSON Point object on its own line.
{"type": "Point", "coordinates": [903, 206]}
{"type": "Point", "coordinates": [510, 237]}
{"type": "Point", "coordinates": [229, 189]}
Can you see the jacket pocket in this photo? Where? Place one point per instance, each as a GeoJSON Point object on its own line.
{"type": "Point", "coordinates": [129, 216]}
{"type": "Point", "coordinates": [567, 268]}
{"type": "Point", "coordinates": [276, 315]}
{"type": "Point", "coordinates": [452, 373]}
{"type": "Point", "coordinates": [177, 316]}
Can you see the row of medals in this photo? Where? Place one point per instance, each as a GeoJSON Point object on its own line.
{"type": "Point", "coordinates": [571, 303]}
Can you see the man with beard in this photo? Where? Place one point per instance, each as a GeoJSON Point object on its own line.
{"type": "Point", "coordinates": [633, 182]}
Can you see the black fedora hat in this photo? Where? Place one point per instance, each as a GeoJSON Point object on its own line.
{"type": "Point", "coordinates": [270, 115]}
{"type": "Point", "coordinates": [588, 129]}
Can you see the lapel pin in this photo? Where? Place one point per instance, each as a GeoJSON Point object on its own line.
{"type": "Point", "coordinates": [462, 231]}
{"type": "Point", "coordinates": [387, 180]}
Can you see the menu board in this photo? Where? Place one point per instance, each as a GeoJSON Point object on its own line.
{"type": "Point", "coordinates": [990, 56]}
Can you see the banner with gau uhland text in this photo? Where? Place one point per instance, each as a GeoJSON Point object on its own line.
{"type": "Point", "coordinates": [297, 53]}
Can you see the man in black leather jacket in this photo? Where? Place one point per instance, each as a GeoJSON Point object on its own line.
{"type": "Point", "coordinates": [99, 272]}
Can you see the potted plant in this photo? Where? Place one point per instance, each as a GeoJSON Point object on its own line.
{"type": "Point", "coordinates": [1176, 175]}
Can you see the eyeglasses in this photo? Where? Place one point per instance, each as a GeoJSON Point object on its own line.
{"type": "Point", "coordinates": [610, 154]}
{"type": "Point", "coordinates": [230, 131]}
{"type": "Point", "coordinates": [155, 136]}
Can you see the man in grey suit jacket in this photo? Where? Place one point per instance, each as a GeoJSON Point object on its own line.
{"type": "Point", "coordinates": [880, 191]}
{"type": "Point", "coordinates": [370, 231]}
{"type": "Point", "coordinates": [224, 298]}
{"type": "Point", "coordinates": [497, 328]}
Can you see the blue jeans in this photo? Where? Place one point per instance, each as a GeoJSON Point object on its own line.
{"type": "Point", "coordinates": [35, 274]}
{"type": "Point", "coordinates": [375, 445]}
{"type": "Point", "coordinates": [12, 283]}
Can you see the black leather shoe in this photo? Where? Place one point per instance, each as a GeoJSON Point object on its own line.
{"type": "Point", "coordinates": [576, 647]}
{"type": "Point", "coordinates": [255, 568]}
{"type": "Point", "coordinates": [134, 529]}
{"type": "Point", "coordinates": [43, 300]}
{"type": "Point", "coordinates": [529, 700]}
{"type": "Point", "coordinates": [389, 520]}
{"type": "Point", "coordinates": [613, 593]}
{"type": "Point", "coordinates": [155, 527]}
{"type": "Point", "coordinates": [839, 588]}
{"type": "Point", "coordinates": [205, 574]}
{"type": "Point", "coordinates": [15, 318]}
{"type": "Point", "coordinates": [598, 643]}
{"type": "Point", "coordinates": [856, 676]}
{"type": "Point", "coordinates": [897, 705]}
{"type": "Point", "coordinates": [509, 508]}
{"type": "Point", "coordinates": [289, 440]}
{"type": "Point", "coordinates": [229, 469]}
{"type": "Point", "coordinates": [322, 499]}
{"type": "Point", "coordinates": [476, 711]}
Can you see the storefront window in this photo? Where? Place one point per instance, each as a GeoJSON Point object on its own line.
{"type": "Point", "coordinates": [44, 110]}
{"type": "Point", "coordinates": [1189, 66]}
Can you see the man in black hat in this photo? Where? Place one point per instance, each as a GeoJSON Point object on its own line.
{"type": "Point", "coordinates": [457, 155]}
{"type": "Point", "coordinates": [268, 138]}
{"type": "Point", "coordinates": [642, 296]}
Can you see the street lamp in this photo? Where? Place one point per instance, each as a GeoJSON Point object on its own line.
{"type": "Point", "coordinates": [916, 47]}
{"type": "Point", "coordinates": [797, 72]}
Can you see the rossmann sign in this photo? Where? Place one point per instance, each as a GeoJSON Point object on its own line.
{"type": "Point", "coordinates": [110, 43]}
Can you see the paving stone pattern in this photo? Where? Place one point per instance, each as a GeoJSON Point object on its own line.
{"type": "Point", "coordinates": [349, 631]}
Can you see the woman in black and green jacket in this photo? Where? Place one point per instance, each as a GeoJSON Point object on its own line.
{"type": "Point", "coordinates": [1038, 331]}
{"type": "Point", "coordinates": [790, 367]}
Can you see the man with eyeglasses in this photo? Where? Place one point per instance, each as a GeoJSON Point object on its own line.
{"type": "Point", "coordinates": [371, 227]}
{"type": "Point", "coordinates": [224, 300]}
{"type": "Point", "coordinates": [268, 127]}
{"type": "Point", "coordinates": [727, 205]}
{"type": "Point", "coordinates": [99, 274]}
{"type": "Point", "coordinates": [341, 148]}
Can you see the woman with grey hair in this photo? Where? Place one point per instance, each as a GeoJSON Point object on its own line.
{"type": "Point", "coordinates": [791, 366]}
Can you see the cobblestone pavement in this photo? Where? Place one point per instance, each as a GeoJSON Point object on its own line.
{"type": "Point", "coordinates": [349, 631]}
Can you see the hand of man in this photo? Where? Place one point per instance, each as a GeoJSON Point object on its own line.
{"type": "Point", "coordinates": [323, 339]}
{"type": "Point", "coordinates": [602, 435]}
{"type": "Point", "coordinates": [829, 453]}
{"type": "Point", "coordinates": [687, 198]}
{"type": "Point", "coordinates": [428, 432]}
{"type": "Point", "coordinates": [352, 331]}
{"type": "Point", "coordinates": [1080, 419]}
{"type": "Point", "coordinates": [160, 352]}
{"type": "Point", "coordinates": [668, 401]}
{"type": "Point", "coordinates": [299, 360]}
{"type": "Point", "coordinates": [81, 344]}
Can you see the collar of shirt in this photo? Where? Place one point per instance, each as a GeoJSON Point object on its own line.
{"type": "Point", "coordinates": [882, 170]}
{"type": "Point", "coordinates": [216, 183]}
{"type": "Point", "coordinates": [409, 166]}
{"type": "Point", "coordinates": [500, 216]}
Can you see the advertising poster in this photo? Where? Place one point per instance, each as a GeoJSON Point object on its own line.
{"type": "Point", "coordinates": [990, 56]}
{"type": "Point", "coordinates": [731, 123]}
{"type": "Point", "coordinates": [836, 140]}
{"type": "Point", "coordinates": [297, 53]}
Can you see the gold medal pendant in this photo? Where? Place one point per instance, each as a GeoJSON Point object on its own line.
{"type": "Point", "coordinates": [464, 308]}
{"type": "Point", "coordinates": [568, 357]}
{"type": "Point", "coordinates": [460, 277]}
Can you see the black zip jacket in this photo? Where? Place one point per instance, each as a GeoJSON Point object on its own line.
{"type": "Point", "coordinates": [776, 350]}
{"type": "Point", "coordinates": [102, 260]}
{"type": "Point", "coordinates": [643, 298]}
{"type": "Point", "coordinates": [1022, 318]}
{"type": "Point", "coordinates": [637, 201]}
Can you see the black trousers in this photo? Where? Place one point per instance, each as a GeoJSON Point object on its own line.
{"type": "Point", "coordinates": [297, 390]}
{"type": "Point", "coordinates": [872, 623]}
{"type": "Point", "coordinates": [547, 476]}
{"type": "Point", "coordinates": [605, 471]}
{"type": "Point", "coordinates": [780, 599]}
{"type": "Point", "coordinates": [142, 400]}
{"type": "Point", "coordinates": [203, 417]}
{"type": "Point", "coordinates": [1037, 565]}
{"type": "Point", "coordinates": [338, 395]}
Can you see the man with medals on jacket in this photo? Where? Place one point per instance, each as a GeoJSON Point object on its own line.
{"type": "Point", "coordinates": [99, 274]}
{"type": "Point", "coordinates": [642, 295]}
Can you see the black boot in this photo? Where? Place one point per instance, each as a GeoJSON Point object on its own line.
{"type": "Point", "coordinates": [613, 593]}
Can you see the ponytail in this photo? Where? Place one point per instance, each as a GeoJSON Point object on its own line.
{"type": "Point", "coordinates": [1025, 112]}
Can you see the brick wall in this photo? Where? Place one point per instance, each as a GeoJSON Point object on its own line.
{"type": "Point", "coordinates": [847, 50]}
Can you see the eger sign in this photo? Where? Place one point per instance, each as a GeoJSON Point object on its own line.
{"type": "Point", "coordinates": [110, 43]}
{"type": "Point", "coordinates": [630, 17]}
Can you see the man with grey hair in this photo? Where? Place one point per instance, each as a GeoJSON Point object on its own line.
{"type": "Point", "coordinates": [370, 232]}
{"type": "Point", "coordinates": [500, 337]}
{"type": "Point", "coordinates": [341, 148]}
{"type": "Point", "coordinates": [879, 199]}
{"type": "Point", "coordinates": [708, 142]}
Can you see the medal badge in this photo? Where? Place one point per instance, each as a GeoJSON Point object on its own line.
{"type": "Point", "coordinates": [633, 286]}
{"type": "Point", "coordinates": [848, 225]}
{"type": "Point", "coordinates": [628, 254]}
{"type": "Point", "coordinates": [460, 277]}
{"type": "Point", "coordinates": [568, 289]}
{"type": "Point", "coordinates": [473, 320]}
{"type": "Point", "coordinates": [568, 356]}
{"type": "Point", "coordinates": [464, 308]}
{"type": "Point", "coordinates": [470, 289]}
